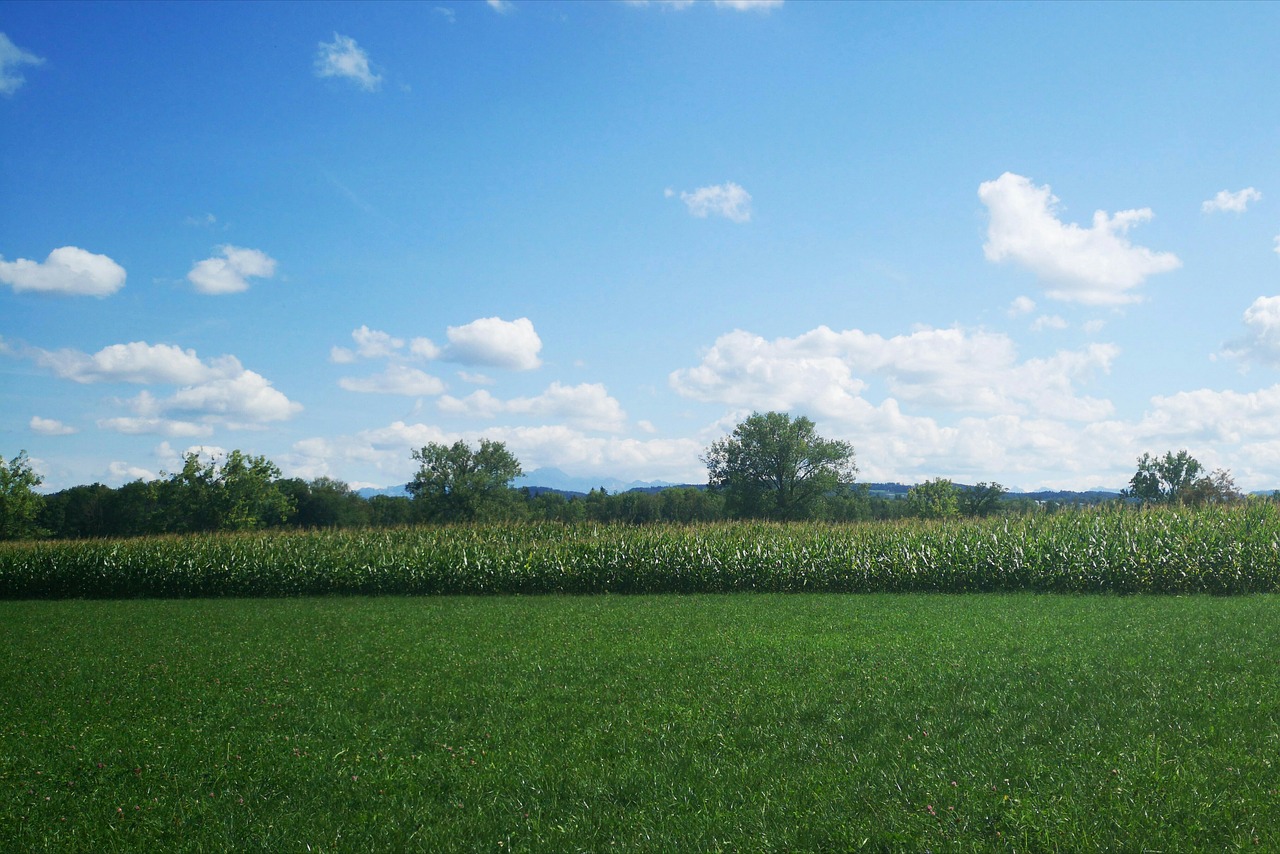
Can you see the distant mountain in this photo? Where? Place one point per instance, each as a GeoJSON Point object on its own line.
{"type": "Point", "coordinates": [401, 491]}
{"type": "Point", "coordinates": [556, 480]}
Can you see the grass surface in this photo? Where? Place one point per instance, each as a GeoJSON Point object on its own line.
{"type": "Point", "coordinates": [758, 722]}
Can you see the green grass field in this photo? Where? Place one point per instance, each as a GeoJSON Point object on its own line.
{"type": "Point", "coordinates": [758, 722]}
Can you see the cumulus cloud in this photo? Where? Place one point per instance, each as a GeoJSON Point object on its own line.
{"type": "Point", "coordinates": [68, 270]}
{"type": "Point", "coordinates": [494, 342]}
{"type": "Point", "coordinates": [344, 58]}
{"type": "Point", "coordinates": [214, 391]}
{"type": "Point", "coordinates": [49, 427]}
{"type": "Point", "coordinates": [1021, 305]}
{"type": "Point", "coordinates": [125, 472]}
{"type": "Point", "coordinates": [727, 200]}
{"type": "Point", "coordinates": [828, 373]}
{"type": "Point", "coordinates": [12, 58]}
{"type": "Point", "coordinates": [396, 379]}
{"type": "Point", "coordinates": [1235, 202]}
{"type": "Point", "coordinates": [1048, 321]}
{"type": "Point", "coordinates": [230, 273]}
{"type": "Point", "coordinates": [488, 341]}
{"type": "Point", "coordinates": [502, 7]}
{"type": "Point", "coordinates": [154, 426]}
{"type": "Point", "coordinates": [587, 406]}
{"type": "Point", "coordinates": [1261, 342]}
{"type": "Point", "coordinates": [384, 450]}
{"type": "Point", "coordinates": [1096, 265]}
{"type": "Point", "coordinates": [135, 362]}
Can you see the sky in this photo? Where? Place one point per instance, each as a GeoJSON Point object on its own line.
{"type": "Point", "coordinates": [1022, 243]}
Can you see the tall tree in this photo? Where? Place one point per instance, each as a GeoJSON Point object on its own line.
{"type": "Point", "coordinates": [240, 493]}
{"type": "Point", "coordinates": [981, 499]}
{"type": "Point", "coordinates": [456, 484]}
{"type": "Point", "coordinates": [778, 468]}
{"type": "Point", "coordinates": [20, 504]}
{"type": "Point", "coordinates": [934, 499]}
{"type": "Point", "coordinates": [1164, 480]}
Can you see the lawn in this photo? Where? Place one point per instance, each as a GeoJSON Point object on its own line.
{"type": "Point", "coordinates": [709, 722]}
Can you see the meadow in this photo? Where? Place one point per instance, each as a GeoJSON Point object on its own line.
{"type": "Point", "coordinates": [730, 687]}
{"type": "Point", "coordinates": [760, 722]}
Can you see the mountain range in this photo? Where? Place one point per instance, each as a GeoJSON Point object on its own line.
{"type": "Point", "coordinates": [555, 480]}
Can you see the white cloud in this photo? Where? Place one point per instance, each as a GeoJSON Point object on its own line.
{"type": "Point", "coordinates": [1261, 342]}
{"type": "Point", "coordinates": [1096, 265]}
{"type": "Point", "coordinates": [214, 391]}
{"type": "Point", "coordinates": [727, 200]}
{"type": "Point", "coordinates": [124, 472]}
{"type": "Point", "coordinates": [1235, 202]}
{"type": "Point", "coordinates": [587, 406]}
{"type": "Point", "coordinates": [137, 426]}
{"type": "Point", "coordinates": [502, 7]}
{"type": "Point", "coordinates": [344, 58]}
{"type": "Point", "coordinates": [49, 427]}
{"type": "Point", "coordinates": [1048, 321]}
{"type": "Point", "coordinates": [387, 450]}
{"type": "Point", "coordinates": [68, 270]}
{"type": "Point", "coordinates": [494, 342]}
{"type": "Point", "coordinates": [1021, 305]}
{"type": "Point", "coordinates": [748, 5]}
{"type": "Point", "coordinates": [135, 362]}
{"type": "Point", "coordinates": [243, 400]}
{"type": "Point", "coordinates": [12, 58]}
{"type": "Point", "coordinates": [396, 379]}
{"type": "Point", "coordinates": [826, 373]}
{"type": "Point", "coordinates": [230, 273]}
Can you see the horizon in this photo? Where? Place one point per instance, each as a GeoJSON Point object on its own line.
{"type": "Point", "coordinates": [1019, 243]}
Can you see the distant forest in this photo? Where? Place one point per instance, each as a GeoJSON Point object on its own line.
{"type": "Point", "coordinates": [250, 498]}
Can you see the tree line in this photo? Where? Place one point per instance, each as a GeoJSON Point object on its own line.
{"type": "Point", "coordinates": [772, 467]}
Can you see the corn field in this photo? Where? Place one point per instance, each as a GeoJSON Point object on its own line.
{"type": "Point", "coordinates": [1219, 550]}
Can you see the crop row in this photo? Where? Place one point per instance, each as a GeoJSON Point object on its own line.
{"type": "Point", "coordinates": [1213, 550]}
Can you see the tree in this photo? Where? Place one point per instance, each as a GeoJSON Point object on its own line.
{"type": "Point", "coordinates": [457, 484]}
{"type": "Point", "coordinates": [20, 504]}
{"type": "Point", "coordinates": [777, 468]}
{"type": "Point", "coordinates": [1217, 488]}
{"type": "Point", "coordinates": [239, 494]}
{"type": "Point", "coordinates": [1163, 480]}
{"type": "Point", "coordinates": [934, 499]}
{"type": "Point", "coordinates": [324, 502]}
{"type": "Point", "coordinates": [981, 499]}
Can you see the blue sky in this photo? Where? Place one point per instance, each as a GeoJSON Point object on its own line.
{"type": "Point", "coordinates": [1011, 242]}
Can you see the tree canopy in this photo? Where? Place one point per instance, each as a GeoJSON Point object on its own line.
{"type": "Point", "coordinates": [934, 499]}
{"type": "Point", "coordinates": [1176, 479]}
{"type": "Point", "coordinates": [456, 484]}
{"type": "Point", "coordinates": [20, 504]}
{"type": "Point", "coordinates": [778, 468]}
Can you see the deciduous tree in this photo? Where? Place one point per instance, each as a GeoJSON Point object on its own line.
{"type": "Point", "coordinates": [778, 468]}
{"type": "Point", "coordinates": [456, 484]}
{"type": "Point", "coordinates": [20, 504]}
{"type": "Point", "coordinates": [934, 499]}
